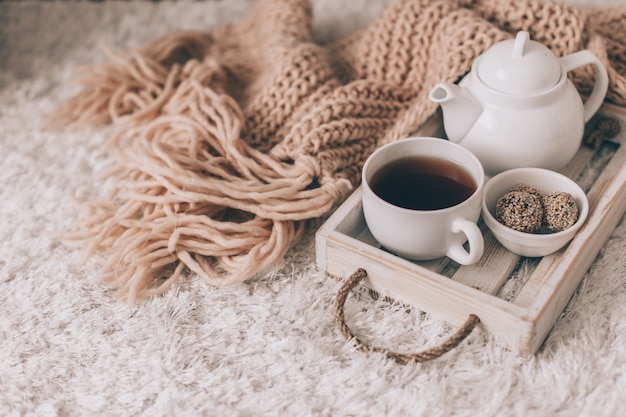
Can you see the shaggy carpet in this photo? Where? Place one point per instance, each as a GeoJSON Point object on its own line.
{"type": "Point", "coordinates": [266, 347]}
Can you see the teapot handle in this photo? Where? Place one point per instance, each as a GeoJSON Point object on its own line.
{"type": "Point", "coordinates": [594, 101]}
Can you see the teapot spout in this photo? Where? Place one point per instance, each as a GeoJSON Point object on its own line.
{"type": "Point", "coordinates": [460, 109]}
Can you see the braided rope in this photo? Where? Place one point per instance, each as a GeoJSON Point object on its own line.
{"type": "Point", "coordinates": [403, 358]}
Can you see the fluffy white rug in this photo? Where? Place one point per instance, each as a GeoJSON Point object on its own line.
{"type": "Point", "coordinates": [269, 347]}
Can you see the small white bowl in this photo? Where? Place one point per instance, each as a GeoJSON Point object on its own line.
{"type": "Point", "coordinates": [546, 181]}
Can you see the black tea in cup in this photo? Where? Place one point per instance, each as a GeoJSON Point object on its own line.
{"type": "Point", "coordinates": [423, 183]}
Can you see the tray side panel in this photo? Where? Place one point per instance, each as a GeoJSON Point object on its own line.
{"type": "Point", "coordinates": [553, 283]}
{"type": "Point", "coordinates": [426, 290]}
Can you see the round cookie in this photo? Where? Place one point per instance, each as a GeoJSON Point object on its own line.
{"type": "Point", "coordinates": [520, 210]}
{"type": "Point", "coordinates": [560, 211]}
{"type": "Point", "coordinates": [520, 186]}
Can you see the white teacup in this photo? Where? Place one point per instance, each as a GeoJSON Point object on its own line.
{"type": "Point", "coordinates": [415, 213]}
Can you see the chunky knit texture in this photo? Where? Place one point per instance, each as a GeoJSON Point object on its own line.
{"type": "Point", "coordinates": [230, 139]}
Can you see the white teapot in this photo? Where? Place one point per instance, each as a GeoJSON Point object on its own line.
{"type": "Point", "coordinates": [517, 108]}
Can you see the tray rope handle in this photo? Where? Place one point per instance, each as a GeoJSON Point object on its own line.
{"type": "Point", "coordinates": [402, 358]}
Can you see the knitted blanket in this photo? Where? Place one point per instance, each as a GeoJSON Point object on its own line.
{"type": "Point", "coordinates": [229, 140]}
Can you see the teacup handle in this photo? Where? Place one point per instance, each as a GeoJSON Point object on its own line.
{"type": "Point", "coordinates": [594, 101]}
{"type": "Point", "coordinates": [474, 237]}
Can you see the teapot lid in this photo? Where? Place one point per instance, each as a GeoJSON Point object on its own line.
{"type": "Point", "coordinates": [519, 66]}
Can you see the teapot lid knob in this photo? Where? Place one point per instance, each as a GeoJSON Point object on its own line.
{"type": "Point", "coordinates": [519, 66]}
{"type": "Point", "coordinates": [518, 46]}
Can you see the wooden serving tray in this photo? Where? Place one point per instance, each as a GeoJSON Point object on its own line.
{"type": "Point", "coordinates": [517, 299]}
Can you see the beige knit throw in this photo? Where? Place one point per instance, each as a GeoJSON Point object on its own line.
{"type": "Point", "coordinates": [229, 140]}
